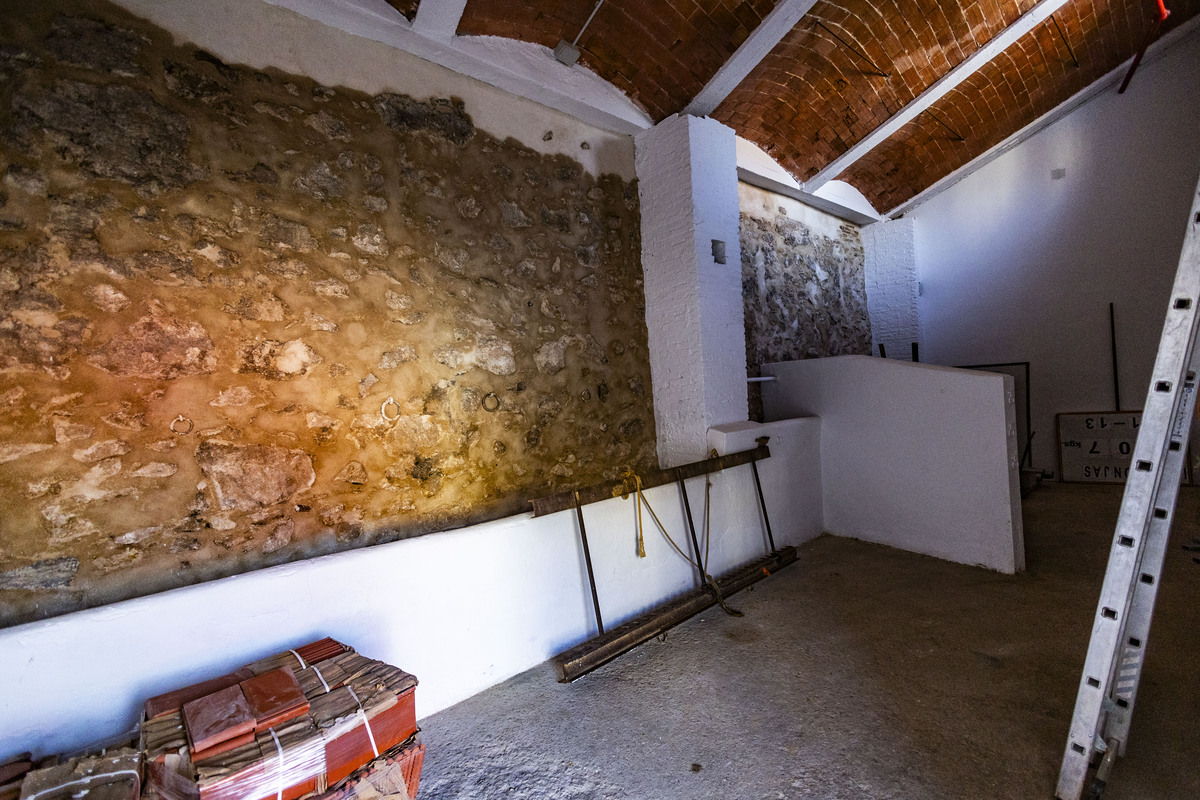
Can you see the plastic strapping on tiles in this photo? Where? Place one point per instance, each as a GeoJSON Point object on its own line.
{"type": "Point", "coordinates": [320, 677]}
{"type": "Point", "coordinates": [279, 749]}
{"type": "Point", "coordinates": [362, 712]}
{"type": "Point", "coordinates": [89, 779]}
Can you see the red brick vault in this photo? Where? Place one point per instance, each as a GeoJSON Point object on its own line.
{"type": "Point", "coordinates": [842, 70]}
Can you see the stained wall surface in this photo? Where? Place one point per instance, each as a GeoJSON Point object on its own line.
{"type": "Point", "coordinates": [247, 318]}
{"type": "Point", "coordinates": [803, 284]}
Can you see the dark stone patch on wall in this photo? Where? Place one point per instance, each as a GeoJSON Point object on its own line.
{"type": "Point", "coordinates": [804, 293]}
{"type": "Point", "coordinates": [246, 319]}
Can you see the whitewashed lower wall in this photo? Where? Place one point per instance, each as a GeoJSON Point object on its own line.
{"type": "Point", "coordinates": [913, 456]}
{"type": "Point", "coordinates": [462, 610]}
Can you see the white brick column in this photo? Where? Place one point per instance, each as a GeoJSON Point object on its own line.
{"type": "Point", "coordinates": [687, 184]}
{"type": "Point", "coordinates": [890, 264]}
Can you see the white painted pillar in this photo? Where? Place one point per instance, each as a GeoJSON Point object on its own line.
{"type": "Point", "coordinates": [438, 19]}
{"type": "Point", "coordinates": [687, 184]}
{"type": "Point", "coordinates": [890, 266]}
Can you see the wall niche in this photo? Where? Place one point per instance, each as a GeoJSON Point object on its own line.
{"type": "Point", "coordinates": [246, 318]}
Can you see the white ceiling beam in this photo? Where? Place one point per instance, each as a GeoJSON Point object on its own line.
{"type": "Point", "coordinates": [521, 68]}
{"type": "Point", "coordinates": [438, 19]}
{"type": "Point", "coordinates": [1083, 96]}
{"type": "Point", "coordinates": [761, 41]}
{"type": "Point", "coordinates": [939, 89]}
{"type": "Point", "coordinates": [831, 207]}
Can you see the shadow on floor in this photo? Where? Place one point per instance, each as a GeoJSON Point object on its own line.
{"type": "Point", "coordinates": [861, 672]}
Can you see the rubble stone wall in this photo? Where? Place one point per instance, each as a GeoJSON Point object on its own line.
{"type": "Point", "coordinates": [803, 284]}
{"type": "Point", "coordinates": [246, 318]}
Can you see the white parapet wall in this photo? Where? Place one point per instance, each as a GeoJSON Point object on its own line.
{"type": "Point", "coordinates": [914, 456]}
{"type": "Point", "coordinates": [461, 610]}
{"type": "Point", "coordinates": [791, 480]}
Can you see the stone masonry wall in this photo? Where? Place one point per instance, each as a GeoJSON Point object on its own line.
{"type": "Point", "coordinates": [803, 285]}
{"type": "Point", "coordinates": [246, 319]}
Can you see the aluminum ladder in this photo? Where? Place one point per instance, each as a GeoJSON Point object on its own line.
{"type": "Point", "coordinates": [1113, 667]}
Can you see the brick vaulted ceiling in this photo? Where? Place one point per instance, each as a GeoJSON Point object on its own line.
{"type": "Point", "coordinates": [659, 52]}
{"type": "Point", "coordinates": [844, 69]}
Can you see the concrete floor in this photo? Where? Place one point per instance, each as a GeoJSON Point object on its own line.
{"type": "Point", "coordinates": [859, 672]}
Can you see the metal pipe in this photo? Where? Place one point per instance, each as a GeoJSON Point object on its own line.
{"type": "Point", "coordinates": [587, 557]}
{"type": "Point", "coordinates": [957, 136]}
{"type": "Point", "coordinates": [564, 501]}
{"type": "Point", "coordinates": [1063, 36]}
{"type": "Point", "coordinates": [1112, 331]}
{"type": "Point", "coordinates": [1151, 35]}
{"type": "Point", "coordinates": [763, 505]}
{"type": "Point", "coordinates": [691, 525]}
{"type": "Point", "coordinates": [856, 51]}
{"type": "Point", "coordinates": [589, 22]}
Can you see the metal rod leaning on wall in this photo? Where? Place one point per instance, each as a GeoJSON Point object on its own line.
{"type": "Point", "coordinates": [687, 507]}
{"type": "Point", "coordinates": [762, 503]}
{"type": "Point", "coordinates": [588, 655]}
{"type": "Point", "coordinates": [587, 557]}
{"type": "Point", "coordinates": [1112, 336]}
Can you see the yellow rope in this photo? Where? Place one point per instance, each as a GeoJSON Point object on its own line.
{"type": "Point", "coordinates": [708, 540]}
{"type": "Point", "coordinates": [641, 541]}
{"type": "Point", "coordinates": [640, 499]}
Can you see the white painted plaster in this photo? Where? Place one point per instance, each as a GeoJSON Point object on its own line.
{"type": "Point", "coordinates": [1035, 16]}
{"type": "Point", "coordinates": [438, 18]}
{"type": "Point", "coordinates": [461, 610]}
{"type": "Point", "coordinates": [762, 40]}
{"type": "Point", "coordinates": [835, 197]}
{"type": "Point", "coordinates": [687, 184]}
{"type": "Point", "coordinates": [362, 44]}
{"type": "Point", "coordinates": [1159, 48]}
{"type": "Point", "coordinates": [1019, 266]}
{"type": "Point", "coordinates": [791, 480]}
{"type": "Point", "coordinates": [845, 195]}
{"type": "Point", "coordinates": [752, 157]}
{"type": "Point", "coordinates": [891, 276]}
{"type": "Point", "coordinates": [913, 456]}
{"type": "Point", "coordinates": [767, 205]}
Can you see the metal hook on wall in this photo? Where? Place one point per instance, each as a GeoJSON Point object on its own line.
{"type": "Point", "coordinates": [383, 410]}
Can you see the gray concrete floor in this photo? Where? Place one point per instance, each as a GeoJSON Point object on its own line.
{"type": "Point", "coordinates": [859, 672]}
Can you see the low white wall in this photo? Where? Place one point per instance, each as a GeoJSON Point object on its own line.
{"type": "Point", "coordinates": [461, 610]}
{"type": "Point", "coordinates": [913, 456]}
{"type": "Point", "coordinates": [791, 483]}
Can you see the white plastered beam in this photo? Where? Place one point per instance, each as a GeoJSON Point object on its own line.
{"type": "Point", "coordinates": [761, 41]}
{"type": "Point", "coordinates": [438, 19]}
{"type": "Point", "coordinates": [1153, 53]}
{"type": "Point", "coordinates": [521, 68]}
{"type": "Point", "coordinates": [939, 89]}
